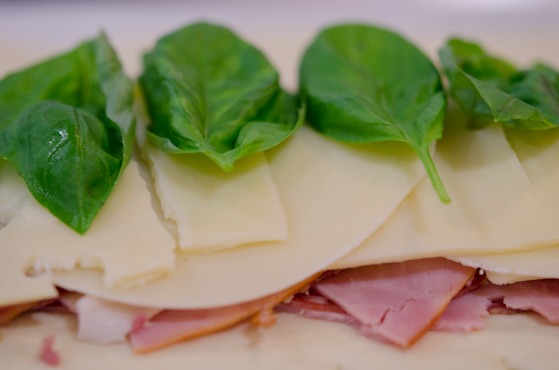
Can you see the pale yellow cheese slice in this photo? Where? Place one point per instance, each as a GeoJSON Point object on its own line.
{"type": "Point", "coordinates": [518, 341]}
{"type": "Point", "coordinates": [334, 196]}
{"type": "Point", "coordinates": [538, 152]}
{"type": "Point", "coordinates": [497, 206]}
{"type": "Point", "coordinates": [209, 209]}
{"type": "Point", "coordinates": [213, 209]}
{"type": "Point", "coordinates": [505, 268]}
{"type": "Point", "coordinates": [126, 243]}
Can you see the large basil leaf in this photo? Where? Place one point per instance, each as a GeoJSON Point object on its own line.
{"type": "Point", "coordinates": [490, 89]}
{"type": "Point", "coordinates": [66, 126]}
{"type": "Point", "coordinates": [367, 84]}
{"type": "Point", "coordinates": [207, 91]}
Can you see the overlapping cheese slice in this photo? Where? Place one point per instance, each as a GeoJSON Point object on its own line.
{"type": "Point", "coordinates": [508, 342]}
{"type": "Point", "coordinates": [502, 200]}
{"type": "Point", "coordinates": [538, 151]}
{"type": "Point", "coordinates": [126, 244]}
{"type": "Point", "coordinates": [506, 268]}
{"type": "Point", "coordinates": [208, 208]}
{"type": "Point", "coordinates": [213, 209]}
{"type": "Point", "coordinates": [334, 196]}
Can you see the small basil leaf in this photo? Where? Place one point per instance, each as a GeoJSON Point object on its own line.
{"type": "Point", "coordinates": [75, 171]}
{"type": "Point", "coordinates": [207, 91]}
{"type": "Point", "coordinates": [367, 84]}
{"type": "Point", "coordinates": [489, 89]}
{"type": "Point", "coordinates": [66, 125]}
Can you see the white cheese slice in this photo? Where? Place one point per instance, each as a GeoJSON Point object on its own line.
{"type": "Point", "coordinates": [519, 341]}
{"type": "Point", "coordinates": [213, 209]}
{"type": "Point", "coordinates": [209, 209]}
{"type": "Point", "coordinates": [497, 204]}
{"type": "Point", "coordinates": [334, 195]}
{"type": "Point", "coordinates": [126, 242]}
{"type": "Point", "coordinates": [538, 152]}
{"type": "Point", "coordinates": [505, 268]}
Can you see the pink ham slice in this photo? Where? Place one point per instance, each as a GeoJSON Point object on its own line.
{"type": "Point", "coordinates": [48, 355]}
{"type": "Point", "coordinates": [101, 321]}
{"type": "Point", "coordinates": [465, 314]}
{"type": "Point", "coordinates": [8, 313]}
{"type": "Point", "coordinates": [397, 302]}
{"type": "Point", "coordinates": [541, 296]}
{"type": "Point", "coordinates": [315, 306]}
{"type": "Point", "coordinates": [171, 326]}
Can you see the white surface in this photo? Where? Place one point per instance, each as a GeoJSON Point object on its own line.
{"type": "Point", "coordinates": [521, 342]}
{"type": "Point", "coordinates": [524, 30]}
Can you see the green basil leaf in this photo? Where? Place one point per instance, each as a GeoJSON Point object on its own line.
{"type": "Point", "coordinates": [367, 84]}
{"type": "Point", "coordinates": [207, 91]}
{"type": "Point", "coordinates": [72, 170]}
{"type": "Point", "coordinates": [490, 89]}
{"type": "Point", "coordinates": [66, 126]}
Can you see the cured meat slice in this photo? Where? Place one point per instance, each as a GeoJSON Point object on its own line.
{"type": "Point", "coordinates": [397, 302]}
{"type": "Point", "coordinates": [48, 355]}
{"type": "Point", "coordinates": [8, 313]}
{"type": "Point", "coordinates": [171, 326]}
{"type": "Point", "coordinates": [315, 306]}
{"type": "Point", "coordinates": [465, 314]}
{"type": "Point", "coordinates": [541, 296]}
{"type": "Point", "coordinates": [102, 321]}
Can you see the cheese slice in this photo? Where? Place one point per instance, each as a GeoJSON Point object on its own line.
{"type": "Point", "coordinates": [520, 341]}
{"type": "Point", "coordinates": [334, 196]}
{"type": "Point", "coordinates": [498, 205]}
{"type": "Point", "coordinates": [213, 209]}
{"type": "Point", "coordinates": [209, 209]}
{"type": "Point", "coordinates": [506, 268]}
{"type": "Point", "coordinates": [126, 243]}
{"type": "Point", "coordinates": [511, 267]}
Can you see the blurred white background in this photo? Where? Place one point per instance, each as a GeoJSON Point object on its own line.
{"type": "Point", "coordinates": [523, 30]}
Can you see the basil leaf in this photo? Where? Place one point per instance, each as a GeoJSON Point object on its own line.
{"type": "Point", "coordinates": [489, 89]}
{"type": "Point", "coordinates": [207, 91]}
{"type": "Point", "coordinates": [66, 126]}
{"type": "Point", "coordinates": [367, 84]}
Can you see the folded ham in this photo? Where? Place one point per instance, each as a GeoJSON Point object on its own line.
{"type": "Point", "coordinates": [171, 326]}
{"type": "Point", "coordinates": [397, 302]}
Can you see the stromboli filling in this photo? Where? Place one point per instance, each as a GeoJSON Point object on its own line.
{"type": "Point", "coordinates": [396, 303]}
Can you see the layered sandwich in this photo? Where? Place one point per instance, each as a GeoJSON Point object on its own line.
{"type": "Point", "coordinates": [374, 218]}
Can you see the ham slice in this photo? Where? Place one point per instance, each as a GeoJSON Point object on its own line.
{"type": "Point", "coordinates": [541, 296]}
{"type": "Point", "coordinates": [8, 313]}
{"type": "Point", "coordinates": [397, 302]}
{"type": "Point", "coordinates": [48, 355]}
{"type": "Point", "coordinates": [101, 321]}
{"type": "Point", "coordinates": [465, 313]}
{"type": "Point", "coordinates": [171, 326]}
{"type": "Point", "coordinates": [314, 306]}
